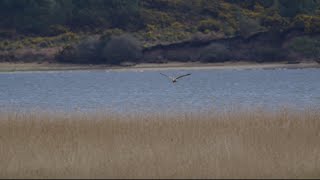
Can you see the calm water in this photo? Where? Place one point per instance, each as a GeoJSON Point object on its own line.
{"type": "Point", "coordinates": [144, 91]}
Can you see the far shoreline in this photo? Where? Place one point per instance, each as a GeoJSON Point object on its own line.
{"type": "Point", "coordinates": [30, 67]}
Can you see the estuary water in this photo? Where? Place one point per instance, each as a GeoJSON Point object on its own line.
{"type": "Point", "coordinates": [148, 91]}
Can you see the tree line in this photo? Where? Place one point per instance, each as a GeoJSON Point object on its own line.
{"type": "Point", "coordinates": [48, 17]}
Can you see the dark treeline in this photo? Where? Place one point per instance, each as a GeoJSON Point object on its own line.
{"type": "Point", "coordinates": [47, 16]}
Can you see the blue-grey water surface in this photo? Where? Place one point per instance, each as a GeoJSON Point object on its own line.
{"type": "Point", "coordinates": [148, 91]}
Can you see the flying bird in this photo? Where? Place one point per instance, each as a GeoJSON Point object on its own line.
{"type": "Point", "coordinates": [174, 79]}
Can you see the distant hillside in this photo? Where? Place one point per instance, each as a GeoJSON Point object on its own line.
{"type": "Point", "coordinates": [53, 24]}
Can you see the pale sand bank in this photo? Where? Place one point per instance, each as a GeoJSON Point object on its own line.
{"type": "Point", "coordinates": [12, 67]}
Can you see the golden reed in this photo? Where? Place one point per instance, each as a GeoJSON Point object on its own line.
{"type": "Point", "coordinates": [229, 144]}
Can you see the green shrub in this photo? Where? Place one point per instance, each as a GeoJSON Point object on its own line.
{"type": "Point", "coordinates": [199, 36]}
{"type": "Point", "coordinates": [69, 36]}
{"type": "Point", "coordinates": [122, 48]}
{"type": "Point", "coordinates": [170, 35]}
{"type": "Point", "coordinates": [274, 21]}
{"type": "Point", "coordinates": [228, 30]}
{"type": "Point", "coordinates": [26, 42]}
{"type": "Point", "coordinates": [19, 45]}
{"type": "Point", "coordinates": [310, 24]}
{"type": "Point", "coordinates": [87, 51]}
{"type": "Point", "coordinates": [106, 35]}
{"type": "Point", "coordinates": [174, 33]}
{"type": "Point", "coordinates": [307, 46]}
{"type": "Point", "coordinates": [209, 24]}
{"type": "Point", "coordinates": [67, 54]}
{"type": "Point", "coordinates": [159, 18]}
{"type": "Point", "coordinates": [115, 50]}
{"type": "Point", "coordinates": [5, 43]}
{"type": "Point", "coordinates": [44, 44]}
{"type": "Point", "coordinates": [248, 26]}
{"type": "Point", "coordinates": [150, 36]}
{"type": "Point", "coordinates": [268, 53]}
{"type": "Point", "coordinates": [177, 26]}
{"type": "Point", "coordinates": [1, 46]}
{"type": "Point", "coordinates": [215, 53]}
{"type": "Point", "coordinates": [36, 40]}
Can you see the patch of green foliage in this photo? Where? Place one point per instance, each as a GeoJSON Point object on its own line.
{"type": "Point", "coordinates": [309, 47]}
{"type": "Point", "coordinates": [175, 32]}
{"type": "Point", "coordinates": [265, 53]}
{"type": "Point", "coordinates": [209, 25]}
{"type": "Point", "coordinates": [40, 41]}
{"type": "Point", "coordinates": [215, 53]}
{"type": "Point", "coordinates": [113, 50]}
{"type": "Point", "coordinates": [310, 24]}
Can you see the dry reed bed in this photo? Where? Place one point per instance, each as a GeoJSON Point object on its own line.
{"type": "Point", "coordinates": [236, 144]}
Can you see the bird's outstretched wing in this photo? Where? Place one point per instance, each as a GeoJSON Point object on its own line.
{"type": "Point", "coordinates": [166, 76]}
{"type": "Point", "coordinates": [183, 76]}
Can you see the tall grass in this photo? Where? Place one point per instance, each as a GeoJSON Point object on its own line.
{"type": "Point", "coordinates": [235, 144]}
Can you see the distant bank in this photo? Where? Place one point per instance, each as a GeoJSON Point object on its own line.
{"type": "Point", "coordinates": [293, 47]}
{"type": "Point", "coordinates": [12, 67]}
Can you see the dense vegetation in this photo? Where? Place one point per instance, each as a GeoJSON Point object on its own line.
{"type": "Point", "coordinates": [80, 23]}
{"type": "Point", "coordinates": [242, 143]}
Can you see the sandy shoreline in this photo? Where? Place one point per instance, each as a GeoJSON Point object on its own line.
{"type": "Point", "coordinates": [13, 67]}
